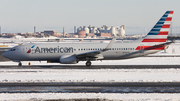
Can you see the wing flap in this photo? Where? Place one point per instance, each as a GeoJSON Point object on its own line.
{"type": "Point", "coordinates": [88, 54]}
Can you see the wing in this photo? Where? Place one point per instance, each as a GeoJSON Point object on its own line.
{"type": "Point", "coordinates": [95, 54]}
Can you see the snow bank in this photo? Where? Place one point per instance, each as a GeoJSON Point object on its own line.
{"type": "Point", "coordinates": [111, 96]}
{"type": "Point", "coordinates": [89, 75]}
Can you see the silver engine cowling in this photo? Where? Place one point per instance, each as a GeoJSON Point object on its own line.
{"type": "Point", "coordinates": [68, 59]}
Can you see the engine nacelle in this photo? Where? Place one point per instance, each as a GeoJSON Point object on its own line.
{"type": "Point", "coordinates": [68, 59]}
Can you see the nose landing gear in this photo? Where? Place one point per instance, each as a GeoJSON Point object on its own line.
{"type": "Point", "coordinates": [88, 63]}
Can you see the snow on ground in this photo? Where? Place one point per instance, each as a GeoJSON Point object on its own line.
{"type": "Point", "coordinates": [111, 96]}
{"type": "Point", "coordinates": [89, 75]}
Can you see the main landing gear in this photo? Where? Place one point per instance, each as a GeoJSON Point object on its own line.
{"type": "Point", "coordinates": [29, 63]}
{"type": "Point", "coordinates": [88, 63]}
{"type": "Point", "coordinates": [20, 64]}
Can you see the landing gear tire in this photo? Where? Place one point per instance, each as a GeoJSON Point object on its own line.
{"type": "Point", "coordinates": [88, 63]}
{"type": "Point", "coordinates": [20, 64]}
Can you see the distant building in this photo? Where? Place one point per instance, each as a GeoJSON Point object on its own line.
{"type": "Point", "coordinates": [113, 30]}
{"type": "Point", "coordinates": [49, 32]}
{"type": "Point", "coordinates": [90, 34]}
{"type": "Point", "coordinates": [67, 35]}
{"type": "Point", "coordinates": [105, 34]}
{"type": "Point", "coordinates": [58, 34]}
{"type": "Point", "coordinates": [122, 31]}
{"type": "Point", "coordinates": [82, 34]}
{"type": "Point", "coordinates": [8, 35]}
{"type": "Point", "coordinates": [75, 36]}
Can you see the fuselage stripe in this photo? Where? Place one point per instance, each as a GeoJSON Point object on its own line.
{"type": "Point", "coordinates": [154, 40]}
{"type": "Point", "coordinates": [157, 47]}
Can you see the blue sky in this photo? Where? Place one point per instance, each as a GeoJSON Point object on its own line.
{"type": "Point", "coordinates": [23, 15]}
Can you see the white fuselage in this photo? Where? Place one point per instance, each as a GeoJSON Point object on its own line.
{"type": "Point", "coordinates": [52, 51]}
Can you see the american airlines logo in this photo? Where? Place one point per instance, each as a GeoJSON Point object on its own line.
{"type": "Point", "coordinates": [29, 51]}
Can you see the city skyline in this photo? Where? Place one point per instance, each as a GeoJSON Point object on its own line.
{"type": "Point", "coordinates": [23, 15]}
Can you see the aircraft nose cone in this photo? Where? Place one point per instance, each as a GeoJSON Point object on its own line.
{"type": "Point", "coordinates": [5, 54]}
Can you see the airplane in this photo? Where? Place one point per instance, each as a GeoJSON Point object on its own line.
{"type": "Point", "coordinates": [72, 53]}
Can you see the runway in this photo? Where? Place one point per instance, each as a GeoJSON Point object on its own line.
{"type": "Point", "coordinates": [98, 81]}
{"type": "Point", "coordinates": [21, 80]}
{"type": "Point", "coordinates": [93, 67]}
{"type": "Point", "coordinates": [76, 81]}
{"type": "Point", "coordinates": [133, 87]}
{"type": "Point", "coordinates": [95, 84]}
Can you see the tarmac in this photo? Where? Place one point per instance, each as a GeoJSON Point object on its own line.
{"type": "Point", "coordinates": [95, 84]}
{"type": "Point", "coordinates": [93, 67]}
{"type": "Point", "coordinates": [86, 87]}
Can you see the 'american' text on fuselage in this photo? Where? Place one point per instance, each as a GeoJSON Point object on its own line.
{"type": "Point", "coordinates": [54, 50]}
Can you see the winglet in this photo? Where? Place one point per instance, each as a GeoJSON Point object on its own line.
{"type": "Point", "coordinates": [110, 44]}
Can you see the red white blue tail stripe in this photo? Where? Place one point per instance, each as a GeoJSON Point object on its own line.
{"type": "Point", "coordinates": [160, 31]}
{"type": "Point", "coordinates": [158, 34]}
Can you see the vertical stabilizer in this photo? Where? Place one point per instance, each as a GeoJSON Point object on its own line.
{"type": "Point", "coordinates": [158, 34]}
{"type": "Point", "coordinates": [160, 31]}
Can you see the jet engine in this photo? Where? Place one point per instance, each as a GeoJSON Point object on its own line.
{"type": "Point", "coordinates": [68, 59]}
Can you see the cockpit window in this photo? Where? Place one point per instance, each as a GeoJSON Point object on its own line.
{"type": "Point", "coordinates": [12, 49]}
